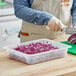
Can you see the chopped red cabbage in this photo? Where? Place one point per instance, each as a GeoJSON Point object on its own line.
{"type": "Point", "coordinates": [37, 47]}
{"type": "Point", "coordinates": [72, 39]}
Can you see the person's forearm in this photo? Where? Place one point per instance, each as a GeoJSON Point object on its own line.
{"type": "Point", "coordinates": [31, 15]}
{"type": "Point", "coordinates": [73, 13]}
{"type": "Point", "coordinates": [74, 22]}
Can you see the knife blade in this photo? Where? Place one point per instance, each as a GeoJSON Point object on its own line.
{"type": "Point", "coordinates": [67, 30]}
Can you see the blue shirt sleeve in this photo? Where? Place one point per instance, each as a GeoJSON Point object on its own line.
{"type": "Point", "coordinates": [25, 12]}
{"type": "Point", "coordinates": [73, 13]}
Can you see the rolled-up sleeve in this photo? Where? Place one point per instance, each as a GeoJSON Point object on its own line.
{"type": "Point", "coordinates": [73, 13]}
{"type": "Point", "coordinates": [25, 12]}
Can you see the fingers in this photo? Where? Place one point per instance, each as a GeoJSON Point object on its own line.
{"type": "Point", "coordinates": [56, 28]}
{"type": "Point", "coordinates": [55, 25]}
{"type": "Point", "coordinates": [60, 26]}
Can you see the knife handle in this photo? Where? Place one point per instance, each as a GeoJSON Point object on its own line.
{"type": "Point", "coordinates": [63, 30]}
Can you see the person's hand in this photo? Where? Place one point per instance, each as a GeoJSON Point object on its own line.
{"type": "Point", "coordinates": [55, 25]}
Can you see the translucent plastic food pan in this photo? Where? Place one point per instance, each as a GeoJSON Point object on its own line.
{"type": "Point", "coordinates": [45, 55]}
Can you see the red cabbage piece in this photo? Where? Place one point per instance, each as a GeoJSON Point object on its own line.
{"type": "Point", "coordinates": [72, 39]}
{"type": "Point", "coordinates": [37, 47]}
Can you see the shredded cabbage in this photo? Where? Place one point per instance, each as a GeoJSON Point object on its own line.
{"type": "Point", "coordinates": [37, 47]}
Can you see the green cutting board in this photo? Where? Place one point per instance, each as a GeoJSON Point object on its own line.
{"type": "Point", "coordinates": [2, 3]}
{"type": "Point", "coordinates": [71, 50]}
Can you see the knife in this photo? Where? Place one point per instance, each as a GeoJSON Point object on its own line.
{"type": "Point", "coordinates": [67, 30]}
